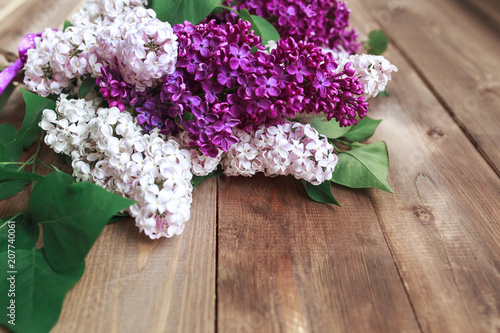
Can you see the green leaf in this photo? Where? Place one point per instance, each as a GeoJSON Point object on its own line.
{"type": "Point", "coordinates": [178, 11]}
{"type": "Point", "coordinates": [13, 150]}
{"type": "Point", "coordinates": [377, 42]}
{"type": "Point", "coordinates": [363, 130]}
{"type": "Point", "coordinates": [383, 94]}
{"type": "Point", "coordinates": [39, 290]}
{"type": "Point", "coordinates": [260, 26]}
{"type": "Point", "coordinates": [4, 97]}
{"type": "Point", "coordinates": [72, 215]}
{"type": "Point", "coordinates": [12, 187]}
{"type": "Point", "coordinates": [34, 107]}
{"type": "Point", "coordinates": [363, 167]}
{"type": "Point", "coordinates": [3, 152]}
{"type": "Point", "coordinates": [118, 217]}
{"type": "Point", "coordinates": [7, 173]}
{"type": "Point", "coordinates": [87, 86]}
{"type": "Point", "coordinates": [24, 232]}
{"type": "Point", "coordinates": [331, 129]}
{"type": "Point", "coordinates": [197, 180]}
{"type": "Point", "coordinates": [67, 24]}
{"type": "Point", "coordinates": [320, 193]}
{"type": "Point", "coordinates": [65, 158]}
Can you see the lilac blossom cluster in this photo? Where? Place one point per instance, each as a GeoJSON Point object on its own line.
{"type": "Point", "coordinates": [108, 148]}
{"type": "Point", "coordinates": [373, 70]}
{"type": "Point", "coordinates": [324, 23]}
{"type": "Point", "coordinates": [219, 84]}
{"type": "Point", "coordinates": [183, 101]}
{"type": "Point", "coordinates": [288, 149]}
{"type": "Point", "coordinates": [121, 34]}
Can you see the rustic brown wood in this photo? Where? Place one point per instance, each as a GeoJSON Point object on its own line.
{"type": "Point", "coordinates": [425, 259]}
{"type": "Point", "coordinates": [20, 17]}
{"type": "Point", "coordinates": [454, 46]}
{"type": "Point", "coordinates": [442, 224]}
{"type": "Point", "coordinates": [287, 264]}
{"type": "Point", "coordinates": [134, 284]}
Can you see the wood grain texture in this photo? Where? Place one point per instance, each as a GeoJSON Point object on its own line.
{"type": "Point", "coordinates": [442, 223]}
{"type": "Point", "coordinates": [287, 264]}
{"type": "Point", "coordinates": [454, 45]}
{"type": "Point", "coordinates": [135, 284]}
{"type": "Point", "coordinates": [21, 17]}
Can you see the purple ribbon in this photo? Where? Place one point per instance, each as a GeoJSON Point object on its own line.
{"type": "Point", "coordinates": [9, 73]}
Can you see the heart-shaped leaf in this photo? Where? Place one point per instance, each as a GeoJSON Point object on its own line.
{"type": "Point", "coordinates": [331, 129]}
{"type": "Point", "coordinates": [3, 152]}
{"type": "Point", "coordinates": [363, 130]}
{"type": "Point", "coordinates": [23, 231]}
{"type": "Point", "coordinates": [4, 97]}
{"type": "Point", "coordinates": [178, 11]}
{"type": "Point", "coordinates": [72, 215]}
{"type": "Point", "coordinates": [34, 107]}
{"type": "Point", "coordinates": [13, 150]}
{"type": "Point", "coordinates": [363, 167]}
{"type": "Point", "coordinates": [377, 42]}
{"type": "Point", "coordinates": [12, 187]}
{"type": "Point", "coordinates": [33, 302]}
{"type": "Point", "coordinates": [260, 26]}
{"type": "Point", "coordinates": [320, 193]}
{"type": "Point", "coordinates": [87, 86]}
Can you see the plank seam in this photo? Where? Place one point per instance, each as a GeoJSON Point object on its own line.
{"type": "Point", "coordinates": [439, 98]}
{"type": "Point", "coordinates": [446, 107]}
{"type": "Point", "coordinates": [396, 265]}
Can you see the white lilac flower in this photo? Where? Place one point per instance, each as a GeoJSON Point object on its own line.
{"type": "Point", "coordinates": [373, 70]}
{"type": "Point", "coordinates": [147, 52]}
{"type": "Point", "coordinates": [108, 148]}
{"type": "Point", "coordinates": [289, 149]}
{"type": "Point", "coordinates": [104, 32]}
{"type": "Point", "coordinates": [202, 164]}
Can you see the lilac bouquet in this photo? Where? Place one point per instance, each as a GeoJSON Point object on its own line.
{"type": "Point", "coordinates": [143, 106]}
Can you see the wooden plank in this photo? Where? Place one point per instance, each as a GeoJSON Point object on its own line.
{"type": "Point", "coordinates": [288, 264]}
{"type": "Point", "coordinates": [31, 16]}
{"type": "Point", "coordinates": [442, 223]}
{"type": "Point", "coordinates": [455, 47]}
{"type": "Point", "coordinates": [134, 284]}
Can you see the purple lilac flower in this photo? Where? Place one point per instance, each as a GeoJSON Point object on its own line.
{"type": "Point", "coordinates": [321, 22]}
{"type": "Point", "coordinates": [219, 84]}
{"type": "Point", "coordinates": [112, 87]}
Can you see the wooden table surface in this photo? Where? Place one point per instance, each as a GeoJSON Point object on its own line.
{"type": "Point", "coordinates": [259, 256]}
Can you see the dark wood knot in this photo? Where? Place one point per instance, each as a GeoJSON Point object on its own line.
{"type": "Point", "coordinates": [423, 215]}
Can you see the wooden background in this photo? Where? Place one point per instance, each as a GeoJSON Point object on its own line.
{"type": "Point", "coordinates": [258, 256]}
